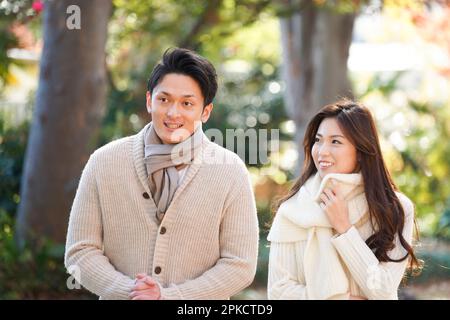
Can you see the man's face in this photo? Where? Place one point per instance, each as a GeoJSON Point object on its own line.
{"type": "Point", "coordinates": [176, 106]}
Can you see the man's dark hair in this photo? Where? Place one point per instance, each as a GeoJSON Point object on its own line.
{"type": "Point", "coordinates": [189, 63]}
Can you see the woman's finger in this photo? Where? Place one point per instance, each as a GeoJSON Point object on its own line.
{"type": "Point", "coordinates": [330, 194]}
{"type": "Point", "coordinates": [324, 198]}
{"type": "Point", "coordinates": [336, 189]}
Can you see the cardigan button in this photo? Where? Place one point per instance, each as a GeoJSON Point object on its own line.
{"type": "Point", "coordinates": [163, 230]}
{"type": "Point", "coordinates": [145, 195]}
{"type": "Point", "coordinates": [158, 270]}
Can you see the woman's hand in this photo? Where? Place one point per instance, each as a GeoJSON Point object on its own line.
{"type": "Point", "coordinates": [336, 208]}
{"type": "Point", "coordinates": [146, 288]}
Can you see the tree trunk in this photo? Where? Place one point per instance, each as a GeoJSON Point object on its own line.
{"type": "Point", "coordinates": [315, 50]}
{"type": "Point", "coordinates": [70, 104]}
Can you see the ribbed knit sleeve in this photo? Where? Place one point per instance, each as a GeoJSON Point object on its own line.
{"type": "Point", "coordinates": [286, 278]}
{"type": "Point", "coordinates": [84, 246]}
{"type": "Point", "coordinates": [236, 266]}
{"type": "Point", "coordinates": [377, 280]}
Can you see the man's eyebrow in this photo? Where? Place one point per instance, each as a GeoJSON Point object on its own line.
{"type": "Point", "coordinates": [185, 95]}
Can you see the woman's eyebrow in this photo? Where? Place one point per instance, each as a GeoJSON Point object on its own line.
{"type": "Point", "coordinates": [333, 136]}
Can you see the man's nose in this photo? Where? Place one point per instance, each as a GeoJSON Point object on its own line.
{"type": "Point", "coordinates": [172, 111]}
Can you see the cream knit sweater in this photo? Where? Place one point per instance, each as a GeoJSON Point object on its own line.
{"type": "Point", "coordinates": [367, 276]}
{"type": "Point", "coordinates": [205, 247]}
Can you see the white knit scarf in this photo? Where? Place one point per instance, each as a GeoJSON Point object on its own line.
{"type": "Point", "coordinates": [301, 218]}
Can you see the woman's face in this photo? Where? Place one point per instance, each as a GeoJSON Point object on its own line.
{"type": "Point", "coordinates": [332, 152]}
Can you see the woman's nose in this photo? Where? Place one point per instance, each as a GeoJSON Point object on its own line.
{"type": "Point", "coordinates": [324, 149]}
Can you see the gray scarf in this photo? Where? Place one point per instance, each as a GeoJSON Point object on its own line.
{"type": "Point", "coordinates": [161, 161]}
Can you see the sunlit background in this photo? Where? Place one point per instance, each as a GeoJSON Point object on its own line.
{"type": "Point", "coordinates": [398, 65]}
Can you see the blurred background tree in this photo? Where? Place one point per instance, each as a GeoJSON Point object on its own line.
{"type": "Point", "coordinates": [70, 103]}
{"type": "Point", "coordinates": [278, 63]}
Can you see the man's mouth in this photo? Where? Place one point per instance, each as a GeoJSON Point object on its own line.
{"type": "Point", "coordinates": [172, 125]}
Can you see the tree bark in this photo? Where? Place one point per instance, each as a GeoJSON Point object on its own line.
{"type": "Point", "coordinates": [315, 46]}
{"type": "Point", "coordinates": [70, 103]}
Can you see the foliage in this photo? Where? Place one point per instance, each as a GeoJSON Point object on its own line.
{"type": "Point", "coordinates": [245, 68]}
{"type": "Point", "coordinates": [12, 14]}
{"type": "Point", "coordinates": [37, 270]}
{"type": "Point", "coordinates": [238, 36]}
{"type": "Point", "coordinates": [262, 269]}
{"type": "Point", "coordinates": [33, 272]}
{"type": "Point", "coordinates": [7, 41]}
{"type": "Point", "coordinates": [415, 136]}
{"type": "Point", "coordinates": [12, 150]}
{"type": "Point", "coordinates": [435, 254]}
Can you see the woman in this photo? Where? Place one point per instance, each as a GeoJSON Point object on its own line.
{"type": "Point", "coordinates": [343, 231]}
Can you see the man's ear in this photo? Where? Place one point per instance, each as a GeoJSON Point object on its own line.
{"type": "Point", "coordinates": [148, 101]}
{"type": "Point", "coordinates": [207, 112]}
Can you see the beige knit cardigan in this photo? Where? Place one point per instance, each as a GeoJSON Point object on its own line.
{"type": "Point", "coordinates": [206, 247]}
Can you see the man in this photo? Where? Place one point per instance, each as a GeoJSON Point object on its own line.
{"type": "Point", "coordinates": [166, 214]}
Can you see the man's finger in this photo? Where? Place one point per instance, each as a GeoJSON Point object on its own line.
{"type": "Point", "coordinates": [142, 292]}
{"type": "Point", "coordinates": [150, 281]}
{"type": "Point", "coordinates": [144, 297]}
{"type": "Point", "coordinates": [142, 286]}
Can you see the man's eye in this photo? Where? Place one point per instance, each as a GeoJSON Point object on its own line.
{"type": "Point", "coordinates": [188, 104]}
{"type": "Point", "coordinates": [162, 99]}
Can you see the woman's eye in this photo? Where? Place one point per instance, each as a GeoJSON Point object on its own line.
{"type": "Point", "coordinates": [316, 139]}
{"type": "Point", "coordinates": [336, 142]}
{"type": "Point", "coordinates": [162, 99]}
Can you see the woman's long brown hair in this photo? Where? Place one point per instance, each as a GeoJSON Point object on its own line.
{"type": "Point", "coordinates": [385, 210]}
